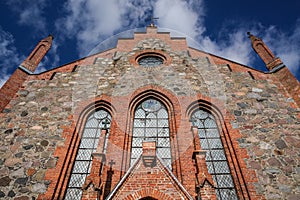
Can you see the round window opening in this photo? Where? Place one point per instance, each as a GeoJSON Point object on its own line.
{"type": "Point", "coordinates": [150, 61]}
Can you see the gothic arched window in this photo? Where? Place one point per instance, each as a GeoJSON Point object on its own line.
{"type": "Point", "coordinates": [216, 160]}
{"type": "Point", "coordinates": [95, 123]}
{"type": "Point", "coordinates": [151, 123]}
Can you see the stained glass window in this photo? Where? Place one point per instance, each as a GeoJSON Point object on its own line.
{"type": "Point", "coordinates": [150, 61]}
{"type": "Point", "coordinates": [216, 161]}
{"type": "Point", "coordinates": [95, 123]}
{"type": "Point", "coordinates": [151, 123]}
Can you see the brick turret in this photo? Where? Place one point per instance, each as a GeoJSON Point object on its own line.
{"type": "Point", "coordinates": [28, 66]}
{"type": "Point", "coordinates": [264, 52]}
{"type": "Point", "coordinates": [38, 53]}
{"type": "Point", "coordinates": [276, 66]}
{"type": "Point", "coordinates": [204, 182]}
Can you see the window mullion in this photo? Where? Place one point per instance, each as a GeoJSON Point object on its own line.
{"type": "Point", "coordinates": [216, 158]}
{"type": "Point", "coordinates": [91, 139]}
{"type": "Point", "coordinates": [154, 113]}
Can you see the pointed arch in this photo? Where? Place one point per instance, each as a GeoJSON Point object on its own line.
{"type": "Point", "coordinates": [62, 174]}
{"type": "Point", "coordinates": [96, 121]}
{"type": "Point", "coordinates": [164, 95]}
{"type": "Point", "coordinates": [171, 103]}
{"type": "Point", "coordinates": [151, 123]}
{"type": "Point", "coordinates": [221, 158]}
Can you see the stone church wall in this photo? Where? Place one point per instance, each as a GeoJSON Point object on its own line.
{"type": "Point", "coordinates": [261, 118]}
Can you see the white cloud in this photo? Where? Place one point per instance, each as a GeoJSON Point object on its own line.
{"type": "Point", "coordinates": [30, 13]}
{"type": "Point", "coordinates": [188, 18]}
{"type": "Point", "coordinates": [54, 53]}
{"type": "Point", "coordinates": [181, 16]}
{"type": "Point", "coordinates": [9, 57]}
{"type": "Point", "coordinates": [51, 59]}
{"type": "Point", "coordinates": [93, 21]}
{"type": "Point", "coordinates": [235, 47]}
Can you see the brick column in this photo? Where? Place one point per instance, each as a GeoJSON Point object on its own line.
{"type": "Point", "coordinates": [204, 181]}
{"type": "Point", "coordinates": [93, 183]}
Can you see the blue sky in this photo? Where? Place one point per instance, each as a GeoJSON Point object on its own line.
{"type": "Point", "coordinates": [219, 27]}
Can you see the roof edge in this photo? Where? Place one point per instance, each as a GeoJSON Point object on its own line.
{"type": "Point", "coordinates": [235, 62]}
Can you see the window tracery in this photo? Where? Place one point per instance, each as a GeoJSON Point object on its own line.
{"type": "Point", "coordinates": [95, 123]}
{"type": "Point", "coordinates": [151, 123]}
{"type": "Point", "coordinates": [150, 61]}
{"type": "Point", "coordinates": [216, 160]}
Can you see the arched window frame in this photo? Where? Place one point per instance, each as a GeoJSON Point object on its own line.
{"type": "Point", "coordinates": [172, 104]}
{"type": "Point", "coordinates": [60, 175]}
{"type": "Point", "coordinates": [229, 149]}
{"type": "Point", "coordinates": [96, 121]}
{"type": "Point", "coordinates": [154, 123]}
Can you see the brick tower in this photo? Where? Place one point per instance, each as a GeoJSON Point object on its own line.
{"type": "Point", "coordinates": [27, 67]}
{"type": "Point", "coordinates": [38, 53]}
{"type": "Point", "coordinates": [151, 118]}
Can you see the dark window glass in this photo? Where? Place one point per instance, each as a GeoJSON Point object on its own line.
{"type": "Point", "coordinates": [88, 144]}
{"type": "Point", "coordinates": [150, 61]}
{"type": "Point", "coordinates": [216, 161]}
{"type": "Point", "coordinates": [151, 123]}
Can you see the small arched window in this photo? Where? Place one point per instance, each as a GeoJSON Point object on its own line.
{"type": "Point", "coordinates": [150, 61]}
{"type": "Point", "coordinates": [95, 123]}
{"type": "Point", "coordinates": [151, 123]}
{"type": "Point", "coordinates": [216, 160]}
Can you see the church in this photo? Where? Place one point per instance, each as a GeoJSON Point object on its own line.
{"type": "Point", "coordinates": [151, 118]}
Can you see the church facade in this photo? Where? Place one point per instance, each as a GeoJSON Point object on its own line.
{"type": "Point", "coordinates": [151, 118]}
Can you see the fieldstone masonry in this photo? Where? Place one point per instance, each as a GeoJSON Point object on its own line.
{"type": "Point", "coordinates": [261, 117]}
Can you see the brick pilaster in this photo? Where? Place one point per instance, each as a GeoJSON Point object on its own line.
{"type": "Point", "coordinates": [204, 181]}
{"type": "Point", "coordinates": [94, 181]}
